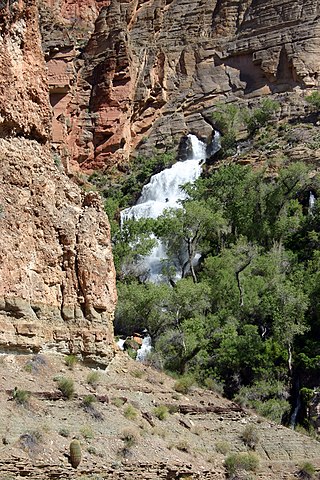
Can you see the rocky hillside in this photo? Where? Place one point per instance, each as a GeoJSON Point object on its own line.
{"type": "Point", "coordinates": [131, 423]}
{"type": "Point", "coordinates": [138, 75]}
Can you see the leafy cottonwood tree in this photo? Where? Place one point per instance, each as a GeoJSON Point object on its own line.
{"type": "Point", "coordinates": [185, 232]}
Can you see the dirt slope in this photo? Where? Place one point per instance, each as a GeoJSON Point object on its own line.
{"type": "Point", "coordinates": [187, 444]}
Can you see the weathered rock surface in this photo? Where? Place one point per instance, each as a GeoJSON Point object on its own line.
{"type": "Point", "coordinates": [57, 279]}
{"type": "Point", "coordinates": [153, 70]}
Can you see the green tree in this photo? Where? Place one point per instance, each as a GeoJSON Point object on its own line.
{"type": "Point", "coordinates": [143, 306]}
{"type": "Point", "coordinates": [260, 116]}
{"type": "Point", "coordinates": [185, 233]}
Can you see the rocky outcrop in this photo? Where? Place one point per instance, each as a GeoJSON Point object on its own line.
{"type": "Point", "coordinates": [57, 279]}
{"type": "Point", "coordinates": [152, 71]}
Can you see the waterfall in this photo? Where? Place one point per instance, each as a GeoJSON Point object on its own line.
{"type": "Point", "coordinates": [121, 343]}
{"type": "Point", "coordinates": [145, 349]}
{"type": "Point", "coordinates": [312, 201]}
{"type": "Point", "coordinates": [163, 192]}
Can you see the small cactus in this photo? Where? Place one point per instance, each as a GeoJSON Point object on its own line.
{"type": "Point", "coordinates": [75, 453]}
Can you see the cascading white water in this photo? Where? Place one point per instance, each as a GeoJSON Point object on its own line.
{"type": "Point", "coordinates": [121, 343]}
{"type": "Point", "coordinates": [312, 201]}
{"type": "Point", "coordinates": [145, 349]}
{"type": "Point", "coordinates": [163, 192]}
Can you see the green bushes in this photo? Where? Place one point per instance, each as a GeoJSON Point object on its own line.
{"type": "Point", "coordinates": [87, 432]}
{"type": "Point", "coordinates": [314, 100]}
{"type": "Point", "coordinates": [64, 432]}
{"type": "Point", "coordinates": [230, 119]}
{"type": "Point", "coordinates": [307, 471]}
{"type": "Point", "coordinates": [21, 396]}
{"type": "Point", "coordinates": [66, 387]}
{"type": "Point", "coordinates": [130, 412]}
{"type": "Point", "coordinates": [130, 437]}
{"type": "Point", "coordinates": [161, 412]}
{"type": "Point", "coordinates": [93, 379]}
{"type": "Point", "coordinates": [71, 361]}
{"type": "Point", "coordinates": [88, 401]}
{"type": "Point", "coordinates": [259, 117]}
{"type": "Point", "coordinates": [250, 436]}
{"type": "Point", "coordinates": [237, 462]}
{"type": "Point", "coordinates": [223, 447]}
{"type": "Point", "coordinates": [184, 384]}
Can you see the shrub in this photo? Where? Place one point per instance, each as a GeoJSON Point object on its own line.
{"type": "Point", "coordinates": [213, 385]}
{"type": "Point", "coordinates": [257, 118]}
{"type": "Point", "coordinates": [64, 432]}
{"type": "Point", "coordinates": [250, 436]}
{"type": "Point", "coordinates": [223, 447]}
{"type": "Point", "coordinates": [91, 450]}
{"type": "Point", "coordinates": [70, 361]}
{"type": "Point", "coordinates": [241, 461]}
{"type": "Point", "coordinates": [66, 387]}
{"type": "Point", "coordinates": [173, 408]}
{"type": "Point", "coordinates": [307, 471]}
{"type": "Point", "coordinates": [88, 405]}
{"type": "Point", "coordinates": [267, 398]}
{"type": "Point", "coordinates": [30, 441]}
{"type": "Point", "coordinates": [21, 396]}
{"type": "Point", "coordinates": [130, 437]}
{"type": "Point", "coordinates": [28, 367]}
{"type": "Point", "coordinates": [273, 409]}
{"type": "Point", "coordinates": [87, 432]}
{"type": "Point", "coordinates": [136, 373]}
{"type": "Point", "coordinates": [130, 412]}
{"type": "Point", "coordinates": [88, 400]}
{"type": "Point", "coordinates": [117, 401]}
{"type": "Point", "coordinates": [161, 412]}
{"type": "Point", "coordinates": [314, 100]}
{"type": "Point", "coordinates": [93, 379]}
{"type": "Point", "coordinates": [183, 445]}
{"type": "Point", "coordinates": [226, 117]}
{"type": "Point", "coordinates": [184, 384]}
{"type": "Point", "coordinates": [159, 431]}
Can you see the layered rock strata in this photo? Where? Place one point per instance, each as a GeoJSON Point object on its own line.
{"type": "Point", "coordinates": [57, 279]}
{"type": "Point", "coordinates": [150, 71]}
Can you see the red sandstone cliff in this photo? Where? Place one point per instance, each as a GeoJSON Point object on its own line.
{"type": "Point", "coordinates": [146, 72]}
{"type": "Point", "coordinates": [57, 279]}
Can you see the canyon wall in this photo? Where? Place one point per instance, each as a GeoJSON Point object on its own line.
{"type": "Point", "coordinates": [57, 279]}
{"type": "Point", "coordinates": [135, 75]}
{"type": "Point", "coordinates": [123, 77]}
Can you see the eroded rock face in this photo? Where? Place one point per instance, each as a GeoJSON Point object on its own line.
{"type": "Point", "coordinates": [57, 279]}
{"type": "Point", "coordinates": [153, 70]}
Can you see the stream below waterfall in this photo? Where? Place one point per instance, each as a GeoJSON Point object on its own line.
{"type": "Point", "coordinates": [163, 192]}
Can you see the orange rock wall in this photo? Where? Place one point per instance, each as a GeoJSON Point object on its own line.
{"type": "Point", "coordinates": [57, 279]}
{"type": "Point", "coordinates": [143, 73]}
